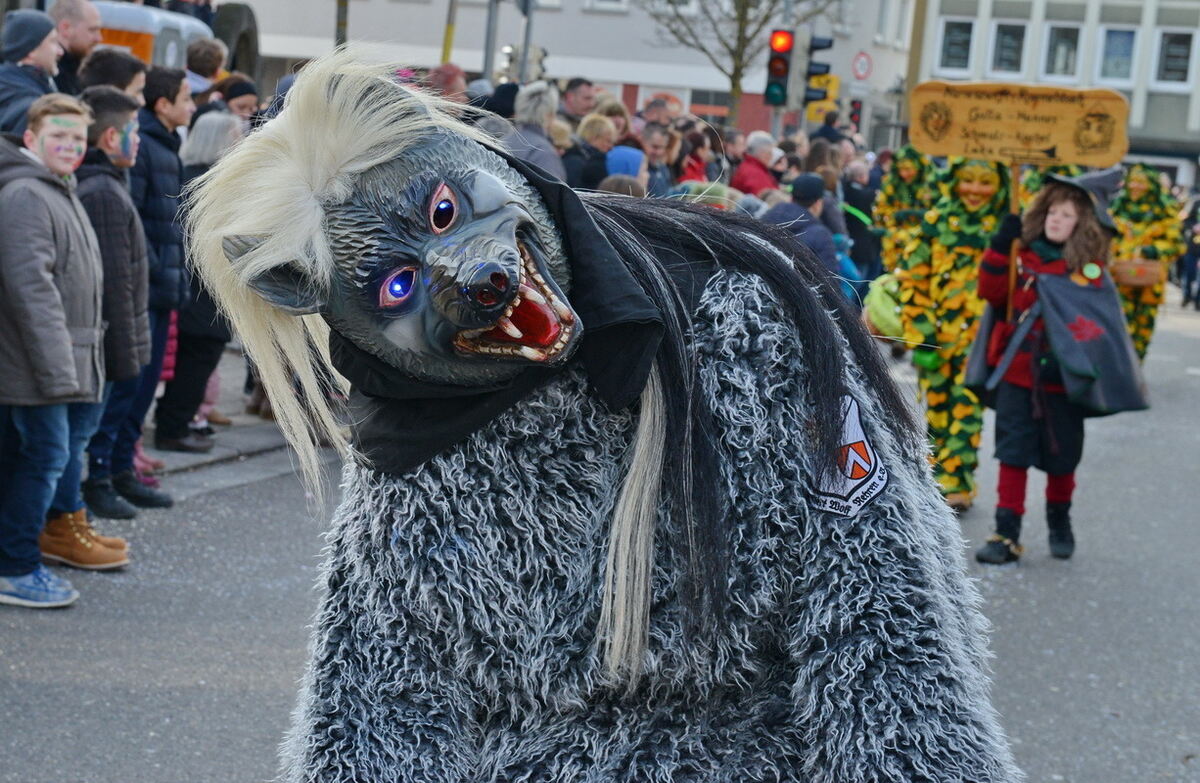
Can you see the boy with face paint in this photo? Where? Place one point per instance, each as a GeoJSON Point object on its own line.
{"type": "Point", "coordinates": [939, 310]}
{"type": "Point", "coordinates": [51, 358]}
{"type": "Point", "coordinates": [103, 189]}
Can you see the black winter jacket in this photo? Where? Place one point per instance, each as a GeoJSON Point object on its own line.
{"type": "Point", "coordinates": [67, 80]}
{"type": "Point", "coordinates": [586, 166]}
{"type": "Point", "coordinates": [20, 86]}
{"type": "Point", "coordinates": [155, 183]}
{"type": "Point", "coordinates": [199, 315]}
{"type": "Point", "coordinates": [105, 195]}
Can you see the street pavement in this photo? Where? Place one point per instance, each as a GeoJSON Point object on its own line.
{"type": "Point", "coordinates": [183, 668]}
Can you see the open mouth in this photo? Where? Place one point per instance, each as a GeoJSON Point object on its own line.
{"type": "Point", "coordinates": [537, 326]}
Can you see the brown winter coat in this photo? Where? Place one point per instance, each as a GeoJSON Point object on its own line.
{"type": "Point", "coordinates": [51, 283]}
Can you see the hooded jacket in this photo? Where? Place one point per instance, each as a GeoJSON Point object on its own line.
{"type": "Point", "coordinates": [51, 279]}
{"type": "Point", "coordinates": [155, 182]}
{"type": "Point", "coordinates": [105, 195]}
{"type": "Point", "coordinates": [20, 86]}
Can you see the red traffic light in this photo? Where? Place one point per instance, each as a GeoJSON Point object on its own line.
{"type": "Point", "coordinates": [782, 40]}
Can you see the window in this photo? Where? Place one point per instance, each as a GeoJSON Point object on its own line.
{"type": "Point", "coordinates": [1117, 55]}
{"type": "Point", "coordinates": [903, 21]}
{"type": "Point", "coordinates": [954, 48]}
{"type": "Point", "coordinates": [1173, 60]}
{"type": "Point", "coordinates": [881, 23]}
{"type": "Point", "coordinates": [608, 5]}
{"type": "Point", "coordinates": [1008, 49]}
{"type": "Point", "coordinates": [1061, 61]}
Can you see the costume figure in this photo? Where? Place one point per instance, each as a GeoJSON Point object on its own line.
{"type": "Point", "coordinates": [1064, 354]}
{"type": "Point", "coordinates": [1031, 180]}
{"type": "Point", "coordinates": [1148, 228]}
{"type": "Point", "coordinates": [904, 198]}
{"type": "Point", "coordinates": [939, 309]}
{"type": "Point", "coordinates": [630, 496]}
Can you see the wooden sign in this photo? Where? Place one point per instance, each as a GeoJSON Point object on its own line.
{"type": "Point", "coordinates": [1019, 123]}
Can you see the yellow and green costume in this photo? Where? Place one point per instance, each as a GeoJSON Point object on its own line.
{"type": "Point", "coordinates": [939, 309]}
{"type": "Point", "coordinates": [1149, 228]}
{"type": "Point", "coordinates": [900, 205]}
{"type": "Point", "coordinates": [1031, 181]}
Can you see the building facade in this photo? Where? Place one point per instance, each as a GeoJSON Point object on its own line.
{"type": "Point", "coordinates": [612, 42]}
{"type": "Point", "coordinates": [1146, 49]}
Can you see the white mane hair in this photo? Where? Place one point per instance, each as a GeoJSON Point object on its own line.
{"type": "Point", "coordinates": [342, 117]}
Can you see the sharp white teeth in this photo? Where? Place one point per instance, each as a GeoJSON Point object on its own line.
{"type": "Point", "coordinates": [532, 295]}
{"type": "Point", "coordinates": [532, 354]}
{"type": "Point", "coordinates": [509, 310]}
{"type": "Point", "coordinates": [563, 311]}
{"type": "Point", "coordinates": [511, 329]}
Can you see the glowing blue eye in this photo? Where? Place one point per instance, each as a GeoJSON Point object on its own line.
{"type": "Point", "coordinates": [397, 287]}
{"type": "Point", "coordinates": [442, 209]}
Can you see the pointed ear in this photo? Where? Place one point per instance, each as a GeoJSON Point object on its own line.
{"type": "Point", "coordinates": [284, 286]}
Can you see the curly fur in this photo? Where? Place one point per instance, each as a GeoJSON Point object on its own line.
{"type": "Point", "coordinates": [456, 636]}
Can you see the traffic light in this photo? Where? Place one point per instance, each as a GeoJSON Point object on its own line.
{"type": "Point", "coordinates": [806, 44]}
{"type": "Point", "coordinates": [856, 113]}
{"type": "Point", "coordinates": [779, 65]}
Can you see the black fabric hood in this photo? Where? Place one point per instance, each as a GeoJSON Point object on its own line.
{"type": "Point", "coordinates": [399, 422]}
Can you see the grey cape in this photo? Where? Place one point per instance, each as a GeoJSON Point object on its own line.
{"type": "Point", "coordinates": [1087, 334]}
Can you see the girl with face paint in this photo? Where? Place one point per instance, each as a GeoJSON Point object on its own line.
{"type": "Point", "coordinates": [1148, 228]}
{"type": "Point", "coordinates": [939, 309]}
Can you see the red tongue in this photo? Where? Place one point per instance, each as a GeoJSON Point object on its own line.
{"type": "Point", "coordinates": [537, 323]}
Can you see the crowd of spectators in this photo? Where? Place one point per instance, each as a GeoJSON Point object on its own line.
{"type": "Point", "coordinates": [821, 187]}
{"type": "Point", "coordinates": [102, 326]}
{"type": "Point", "coordinates": [99, 315]}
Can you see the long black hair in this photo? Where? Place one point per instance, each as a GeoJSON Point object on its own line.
{"type": "Point", "coordinates": [672, 248]}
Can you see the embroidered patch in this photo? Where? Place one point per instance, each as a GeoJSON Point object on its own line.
{"type": "Point", "coordinates": [1085, 329]}
{"type": "Point", "coordinates": [860, 475]}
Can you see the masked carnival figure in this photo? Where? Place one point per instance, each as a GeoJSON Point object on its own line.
{"type": "Point", "coordinates": [1032, 179]}
{"type": "Point", "coordinates": [628, 496]}
{"type": "Point", "coordinates": [939, 309]}
{"type": "Point", "coordinates": [1148, 229]}
{"type": "Point", "coordinates": [904, 197]}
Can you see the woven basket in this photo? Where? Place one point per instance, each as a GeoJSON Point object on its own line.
{"type": "Point", "coordinates": [1137, 272]}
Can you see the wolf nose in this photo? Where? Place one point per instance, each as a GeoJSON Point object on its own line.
{"type": "Point", "coordinates": [489, 288]}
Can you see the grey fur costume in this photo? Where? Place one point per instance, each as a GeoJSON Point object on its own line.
{"type": "Point", "coordinates": [455, 639]}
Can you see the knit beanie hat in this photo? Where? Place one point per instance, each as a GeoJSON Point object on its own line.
{"type": "Point", "coordinates": [624, 160]}
{"type": "Point", "coordinates": [24, 31]}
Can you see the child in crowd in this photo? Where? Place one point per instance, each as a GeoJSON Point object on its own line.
{"type": "Point", "coordinates": [1063, 354]}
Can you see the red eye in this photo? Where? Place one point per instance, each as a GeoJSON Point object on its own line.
{"type": "Point", "coordinates": [442, 209]}
{"type": "Point", "coordinates": [398, 286]}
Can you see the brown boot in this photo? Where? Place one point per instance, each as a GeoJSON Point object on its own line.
{"type": "Point", "coordinates": [70, 540]}
{"type": "Point", "coordinates": [112, 542]}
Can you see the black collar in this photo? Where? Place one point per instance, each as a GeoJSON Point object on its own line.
{"type": "Point", "coordinates": [400, 422]}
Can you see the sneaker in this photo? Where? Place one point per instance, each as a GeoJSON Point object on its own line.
{"type": "Point", "coordinates": [191, 443]}
{"type": "Point", "coordinates": [219, 419]}
{"type": "Point", "coordinates": [139, 494]}
{"type": "Point", "coordinates": [104, 501]}
{"type": "Point", "coordinates": [70, 540]}
{"type": "Point", "coordinates": [42, 589]}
